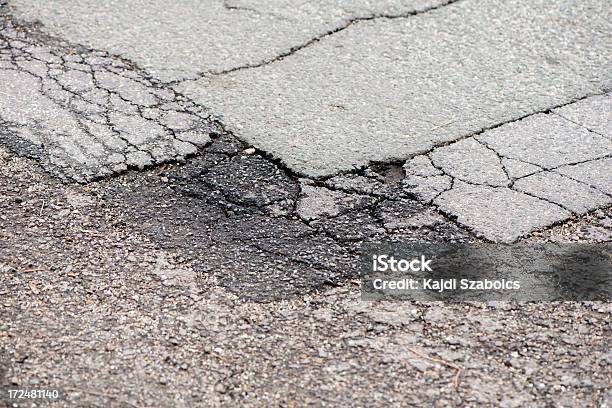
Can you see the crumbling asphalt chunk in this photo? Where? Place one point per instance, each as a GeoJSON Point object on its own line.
{"type": "Point", "coordinates": [573, 195]}
{"type": "Point", "coordinates": [546, 140]}
{"type": "Point", "coordinates": [86, 114]}
{"type": "Point", "coordinates": [368, 182]}
{"type": "Point", "coordinates": [320, 202]}
{"type": "Point", "coordinates": [407, 214]}
{"type": "Point", "coordinates": [595, 173]}
{"type": "Point", "coordinates": [424, 180]}
{"type": "Point", "coordinates": [470, 161]}
{"type": "Point", "coordinates": [517, 169]}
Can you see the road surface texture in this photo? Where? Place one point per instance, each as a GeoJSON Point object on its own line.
{"type": "Point", "coordinates": [186, 189]}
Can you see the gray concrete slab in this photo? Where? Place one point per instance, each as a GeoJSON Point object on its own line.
{"type": "Point", "coordinates": [387, 89]}
{"type": "Point", "coordinates": [186, 37]}
{"type": "Point", "coordinates": [518, 177]}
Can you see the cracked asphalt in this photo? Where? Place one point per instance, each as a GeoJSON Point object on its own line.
{"type": "Point", "coordinates": [87, 114]}
{"type": "Point", "coordinates": [544, 167]}
{"type": "Point", "coordinates": [186, 189]}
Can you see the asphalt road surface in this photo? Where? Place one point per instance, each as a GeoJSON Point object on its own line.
{"type": "Point", "coordinates": [186, 189]}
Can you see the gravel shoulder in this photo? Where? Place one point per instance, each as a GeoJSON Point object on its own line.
{"type": "Point", "coordinates": [97, 306]}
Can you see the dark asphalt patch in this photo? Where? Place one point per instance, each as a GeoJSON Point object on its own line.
{"type": "Point", "coordinates": [233, 215]}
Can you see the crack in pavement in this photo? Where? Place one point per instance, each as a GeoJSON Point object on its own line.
{"type": "Point", "coordinates": [237, 7]}
{"type": "Point", "coordinates": [245, 31]}
{"type": "Point", "coordinates": [473, 134]}
{"type": "Point", "coordinates": [143, 154]}
{"type": "Point", "coordinates": [554, 111]}
{"type": "Point", "coordinates": [591, 113]}
{"type": "Point", "coordinates": [554, 169]}
{"type": "Point", "coordinates": [319, 37]}
{"type": "Point", "coordinates": [238, 219]}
